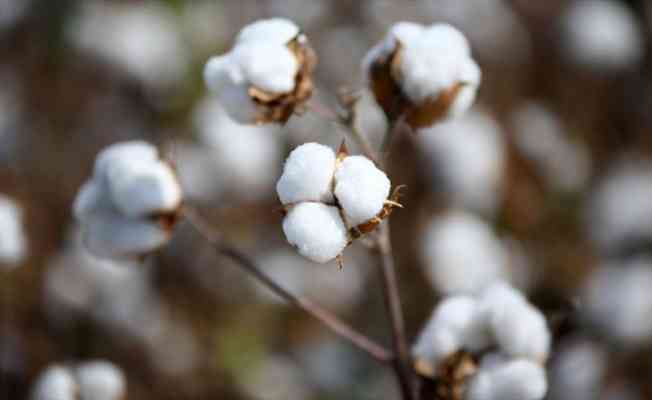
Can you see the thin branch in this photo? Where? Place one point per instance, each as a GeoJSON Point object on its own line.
{"type": "Point", "coordinates": [336, 325]}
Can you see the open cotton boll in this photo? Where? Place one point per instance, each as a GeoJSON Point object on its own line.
{"type": "Point", "coordinates": [113, 236]}
{"type": "Point", "coordinates": [272, 30]}
{"type": "Point", "coordinates": [142, 188]}
{"type": "Point", "coordinates": [13, 238]}
{"type": "Point", "coordinates": [317, 230]}
{"type": "Point", "coordinates": [123, 152]}
{"type": "Point", "coordinates": [100, 380]}
{"type": "Point", "coordinates": [601, 35]}
{"type": "Point", "coordinates": [462, 254]}
{"type": "Point", "coordinates": [618, 210]}
{"type": "Point", "coordinates": [619, 303]}
{"type": "Point", "coordinates": [540, 136]}
{"type": "Point", "coordinates": [466, 160]}
{"type": "Point", "coordinates": [55, 383]}
{"type": "Point", "coordinates": [307, 175]}
{"type": "Point", "coordinates": [269, 68]}
{"type": "Point", "coordinates": [510, 380]}
{"type": "Point", "coordinates": [361, 189]}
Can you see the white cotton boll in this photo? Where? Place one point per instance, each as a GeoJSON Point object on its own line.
{"type": "Point", "coordinates": [143, 188]}
{"type": "Point", "coordinates": [619, 303]}
{"type": "Point", "coordinates": [540, 136]}
{"type": "Point", "coordinates": [13, 238]}
{"type": "Point", "coordinates": [100, 380]}
{"type": "Point", "coordinates": [110, 235]}
{"type": "Point", "coordinates": [277, 31]}
{"type": "Point", "coordinates": [92, 197]}
{"type": "Point", "coordinates": [269, 68]}
{"type": "Point", "coordinates": [512, 380]}
{"type": "Point", "coordinates": [56, 383]}
{"type": "Point", "coordinates": [578, 371]}
{"type": "Point", "coordinates": [521, 331]}
{"type": "Point", "coordinates": [462, 254]}
{"type": "Point", "coordinates": [466, 160]}
{"type": "Point", "coordinates": [601, 35]}
{"type": "Point", "coordinates": [247, 158]}
{"type": "Point", "coordinates": [123, 152]}
{"type": "Point", "coordinates": [361, 189]}
{"type": "Point", "coordinates": [307, 174]}
{"type": "Point", "coordinates": [317, 230]}
{"type": "Point", "coordinates": [224, 77]}
{"type": "Point", "coordinates": [618, 209]}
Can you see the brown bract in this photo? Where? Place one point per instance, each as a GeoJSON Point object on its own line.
{"type": "Point", "coordinates": [385, 78]}
{"type": "Point", "coordinates": [279, 107]}
{"type": "Point", "coordinates": [370, 225]}
{"type": "Point", "coordinates": [448, 380]}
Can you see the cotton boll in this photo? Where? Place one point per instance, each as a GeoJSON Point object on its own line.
{"type": "Point", "coordinates": [466, 159]}
{"type": "Point", "coordinates": [141, 188]}
{"type": "Point", "coordinates": [540, 136]}
{"type": "Point", "coordinates": [270, 68]}
{"type": "Point", "coordinates": [113, 236]}
{"type": "Point", "coordinates": [307, 174]}
{"type": "Point", "coordinates": [317, 230]}
{"type": "Point", "coordinates": [123, 152]}
{"type": "Point", "coordinates": [602, 35]}
{"type": "Point", "coordinates": [361, 189]}
{"type": "Point", "coordinates": [278, 31]}
{"type": "Point", "coordinates": [100, 380]}
{"type": "Point", "coordinates": [618, 210]}
{"type": "Point", "coordinates": [13, 238]}
{"type": "Point", "coordinates": [462, 254]}
{"type": "Point", "coordinates": [578, 371]}
{"type": "Point", "coordinates": [55, 383]}
{"type": "Point", "coordinates": [618, 302]}
{"type": "Point", "coordinates": [192, 162]}
{"type": "Point", "coordinates": [513, 380]}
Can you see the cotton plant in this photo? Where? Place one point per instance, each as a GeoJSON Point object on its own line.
{"type": "Point", "coordinates": [423, 74]}
{"type": "Point", "coordinates": [13, 238]}
{"type": "Point", "coordinates": [498, 327]}
{"type": "Point", "coordinates": [90, 380]}
{"type": "Point", "coordinates": [128, 208]}
{"type": "Point", "coordinates": [330, 199]}
{"type": "Point", "coordinates": [266, 75]}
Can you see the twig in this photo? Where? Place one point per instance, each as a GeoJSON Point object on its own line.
{"type": "Point", "coordinates": [336, 325]}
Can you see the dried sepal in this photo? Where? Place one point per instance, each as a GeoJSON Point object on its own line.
{"type": "Point", "coordinates": [279, 107]}
{"type": "Point", "coordinates": [452, 375]}
{"type": "Point", "coordinates": [389, 207]}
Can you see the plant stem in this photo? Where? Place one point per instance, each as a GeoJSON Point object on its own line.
{"type": "Point", "coordinates": [336, 325]}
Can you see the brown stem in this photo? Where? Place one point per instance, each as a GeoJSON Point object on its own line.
{"type": "Point", "coordinates": [336, 325]}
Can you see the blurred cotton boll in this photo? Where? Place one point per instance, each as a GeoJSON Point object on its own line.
{"type": "Point", "coordinates": [276, 378]}
{"type": "Point", "coordinates": [192, 161]}
{"type": "Point", "coordinates": [334, 289]}
{"type": "Point", "coordinates": [578, 370]}
{"type": "Point", "coordinates": [462, 254]}
{"type": "Point", "coordinates": [618, 301]}
{"type": "Point", "coordinates": [246, 158]}
{"type": "Point", "coordinates": [540, 136]}
{"type": "Point", "coordinates": [128, 208]}
{"type": "Point", "coordinates": [101, 380]}
{"type": "Point", "coordinates": [508, 380]}
{"type": "Point", "coordinates": [13, 238]}
{"type": "Point", "coordinates": [466, 159]}
{"type": "Point", "coordinates": [142, 38]}
{"type": "Point", "coordinates": [55, 383]}
{"type": "Point", "coordinates": [618, 209]}
{"type": "Point", "coordinates": [601, 35]}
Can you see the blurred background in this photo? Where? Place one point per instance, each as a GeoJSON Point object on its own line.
{"type": "Point", "coordinates": [547, 183]}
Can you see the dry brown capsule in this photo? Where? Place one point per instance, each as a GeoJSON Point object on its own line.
{"type": "Point", "coordinates": [267, 75]}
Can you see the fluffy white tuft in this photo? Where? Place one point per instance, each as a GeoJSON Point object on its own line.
{"type": "Point", "coordinates": [462, 254]}
{"type": "Point", "coordinates": [307, 174]}
{"type": "Point", "coordinates": [273, 30]}
{"type": "Point", "coordinates": [13, 239]}
{"type": "Point", "coordinates": [317, 230]}
{"type": "Point", "coordinates": [101, 380]}
{"type": "Point", "coordinates": [55, 383]}
{"type": "Point", "coordinates": [509, 380]}
{"type": "Point", "coordinates": [361, 189]}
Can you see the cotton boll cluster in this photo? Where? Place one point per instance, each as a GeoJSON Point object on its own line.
{"type": "Point", "coordinates": [466, 158]}
{"type": "Point", "coordinates": [601, 35]}
{"type": "Point", "coordinates": [303, 278]}
{"type": "Point", "coordinates": [246, 158]}
{"type": "Point", "coordinates": [462, 254]}
{"type": "Point", "coordinates": [266, 74]}
{"type": "Point", "coordinates": [141, 39]}
{"type": "Point", "coordinates": [91, 380]}
{"type": "Point", "coordinates": [499, 320]}
{"type": "Point", "coordinates": [618, 302]}
{"type": "Point", "coordinates": [128, 207]}
{"type": "Point", "coordinates": [539, 135]}
{"type": "Point", "coordinates": [13, 238]}
{"type": "Point", "coordinates": [313, 178]}
{"type": "Point", "coordinates": [618, 209]}
{"type": "Point", "coordinates": [578, 371]}
{"type": "Point", "coordinates": [425, 73]}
